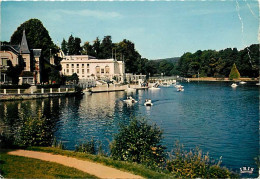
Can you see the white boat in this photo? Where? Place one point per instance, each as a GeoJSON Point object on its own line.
{"type": "Point", "coordinates": [148, 102]}
{"type": "Point", "coordinates": [174, 81]}
{"type": "Point", "coordinates": [258, 84]}
{"type": "Point", "coordinates": [165, 84]}
{"type": "Point", "coordinates": [180, 89]}
{"type": "Point", "coordinates": [154, 88]}
{"type": "Point", "coordinates": [242, 82]}
{"type": "Point", "coordinates": [130, 100]}
{"type": "Point", "coordinates": [178, 86]}
{"type": "Point", "coordinates": [234, 85]}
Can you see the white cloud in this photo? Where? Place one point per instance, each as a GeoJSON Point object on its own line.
{"type": "Point", "coordinates": [91, 13]}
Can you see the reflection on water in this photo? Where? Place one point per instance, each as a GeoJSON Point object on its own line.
{"type": "Point", "coordinates": [214, 116]}
{"type": "Point", "coordinates": [19, 119]}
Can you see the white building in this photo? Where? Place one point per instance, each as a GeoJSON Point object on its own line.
{"type": "Point", "coordinates": [89, 68]}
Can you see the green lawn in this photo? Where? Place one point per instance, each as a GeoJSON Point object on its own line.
{"type": "Point", "coordinates": [22, 167]}
{"type": "Point", "coordinates": [123, 166]}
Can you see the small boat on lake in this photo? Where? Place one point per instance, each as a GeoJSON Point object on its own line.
{"type": "Point", "coordinates": [130, 100]}
{"type": "Point", "coordinates": [165, 84]}
{"type": "Point", "coordinates": [242, 82]}
{"type": "Point", "coordinates": [148, 102]}
{"type": "Point", "coordinates": [234, 85]}
{"type": "Point", "coordinates": [155, 87]}
{"type": "Point", "coordinates": [180, 89]}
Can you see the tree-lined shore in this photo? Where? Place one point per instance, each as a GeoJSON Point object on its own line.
{"type": "Point", "coordinates": [206, 63]}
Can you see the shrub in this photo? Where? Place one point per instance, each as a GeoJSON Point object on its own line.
{"type": "Point", "coordinates": [88, 147]}
{"type": "Point", "coordinates": [6, 140]}
{"type": "Point", "coordinates": [34, 132]}
{"type": "Point", "coordinates": [48, 86]}
{"type": "Point", "coordinates": [139, 142]}
{"type": "Point", "coordinates": [195, 164]}
{"type": "Point", "coordinates": [78, 89]}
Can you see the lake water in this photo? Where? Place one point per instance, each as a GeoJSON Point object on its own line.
{"type": "Point", "coordinates": [219, 119]}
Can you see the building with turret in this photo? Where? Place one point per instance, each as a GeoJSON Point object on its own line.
{"type": "Point", "coordinates": [31, 73]}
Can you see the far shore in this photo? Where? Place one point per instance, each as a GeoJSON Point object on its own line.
{"type": "Point", "coordinates": [221, 79]}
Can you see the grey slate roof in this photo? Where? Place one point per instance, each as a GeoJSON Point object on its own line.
{"type": "Point", "coordinates": [37, 52]}
{"type": "Point", "coordinates": [24, 46]}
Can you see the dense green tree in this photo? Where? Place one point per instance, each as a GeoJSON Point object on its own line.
{"type": "Point", "coordinates": [126, 48]}
{"type": "Point", "coordinates": [64, 46]}
{"type": "Point", "coordinates": [54, 76]}
{"type": "Point", "coordinates": [151, 68]}
{"type": "Point", "coordinates": [234, 73]}
{"type": "Point", "coordinates": [77, 46]}
{"type": "Point", "coordinates": [71, 45]}
{"type": "Point", "coordinates": [87, 49]}
{"type": "Point", "coordinates": [165, 68]}
{"type": "Point", "coordinates": [37, 37]}
{"type": "Point", "coordinates": [106, 47]}
{"type": "Point", "coordinates": [73, 78]}
{"type": "Point", "coordinates": [218, 63]}
{"type": "Point", "coordinates": [97, 48]}
{"type": "Point", "coordinates": [15, 71]}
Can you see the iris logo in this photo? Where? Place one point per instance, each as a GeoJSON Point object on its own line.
{"type": "Point", "coordinates": [246, 170]}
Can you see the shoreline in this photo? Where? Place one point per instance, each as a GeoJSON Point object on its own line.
{"type": "Point", "coordinates": [112, 88]}
{"type": "Point", "coordinates": [14, 97]}
{"type": "Point", "coordinates": [222, 79]}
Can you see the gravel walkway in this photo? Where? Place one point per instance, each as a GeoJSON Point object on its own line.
{"type": "Point", "coordinates": [92, 168]}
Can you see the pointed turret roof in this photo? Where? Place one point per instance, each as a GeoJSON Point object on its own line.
{"type": "Point", "coordinates": [24, 46]}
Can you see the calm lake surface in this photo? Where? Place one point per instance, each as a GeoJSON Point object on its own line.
{"type": "Point", "coordinates": [219, 119]}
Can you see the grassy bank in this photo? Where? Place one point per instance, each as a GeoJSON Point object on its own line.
{"type": "Point", "coordinates": [22, 167]}
{"type": "Point", "coordinates": [123, 166]}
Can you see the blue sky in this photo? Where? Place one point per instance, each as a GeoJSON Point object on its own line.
{"type": "Point", "coordinates": [159, 29]}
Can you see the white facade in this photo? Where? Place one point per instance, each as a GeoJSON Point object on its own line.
{"type": "Point", "coordinates": [88, 67]}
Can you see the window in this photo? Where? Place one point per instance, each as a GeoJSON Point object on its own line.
{"type": "Point", "coordinates": [72, 70]}
{"type": "Point", "coordinates": [87, 65]}
{"type": "Point", "coordinates": [68, 70]}
{"type": "Point", "coordinates": [97, 69]}
{"type": "Point", "coordinates": [102, 70]}
{"type": "Point", "coordinates": [77, 70]}
{"type": "Point", "coordinates": [83, 76]}
{"type": "Point", "coordinates": [87, 70]}
{"type": "Point", "coordinates": [4, 61]}
{"type": "Point", "coordinates": [68, 65]}
{"type": "Point", "coordinates": [107, 69]}
{"type": "Point", "coordinates": [82, 65]}
{"type": "Point", "coordinates": [77, 65]}
{"type": "Point", "coordinates": [72, 65]}
{"type": "Point", "coordinates": [83, 71]}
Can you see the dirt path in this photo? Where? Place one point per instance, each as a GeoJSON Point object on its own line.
{"type": "Point", "coordinates": [92, 168]}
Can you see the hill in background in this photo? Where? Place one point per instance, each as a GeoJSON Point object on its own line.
{"type": "Point", "coordinates": [173, 60]}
